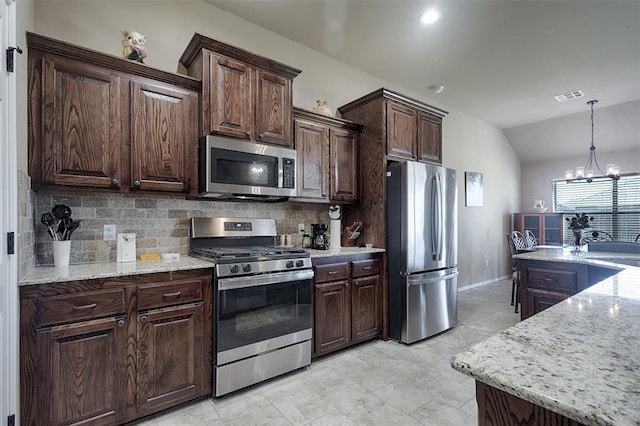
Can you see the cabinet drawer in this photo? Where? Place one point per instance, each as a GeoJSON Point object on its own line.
{"type": "Point", "coordinates": [331, 272]}
{"type": "Point", "coordinates": [552, 279]}
{"type": "Point", "coordinates": [362, 268]}
{"type": "Point", "coordinates": [80, 306]}
{"type": "Point", "coordinates": [166, 294]}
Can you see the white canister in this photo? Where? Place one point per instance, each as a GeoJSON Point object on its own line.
{"type": "Point", "coordinates": [61, 253]}
{"type": "Point", "coordinates": [336, 232]}
{"type": "Point", "coordinates": [126, 247]}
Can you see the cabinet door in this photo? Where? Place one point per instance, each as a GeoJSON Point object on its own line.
{"type": "Point", "coordinates": [332, 316]}
{"type": "Point", "coordinates": [312, 148]}
{"type": "Point", "coordinates": [366, 308]}
{"type": "Point", "coordinates": [343, 150]}
{"type": "Point", "coordinates": [231, 106]}
{"type": "Point", "coordinates": [273, 109]}
{"type": "Point", "coordinates": [429, 138]}
{"type": "Point", "coordinates": [401, 131]}
{"type": "Point", "coordinates": [163, 136]}
{"type": "Point", "coordinates": [170, 356]}
{"type": "Point", "coordinates": [82, 372]}
{"type": "Point", "coordinates": [553, 225]}
{"type": "Point", "coordinates": [81, 129]}
{"type": "Point", "coordinates": [539, 300]}
{"type": "Point", "coordinates": [530, 221]}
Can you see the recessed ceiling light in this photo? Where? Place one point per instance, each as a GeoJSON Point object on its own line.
{"type": "Point", "coordinates": [430, 16]}
{"type": "Point", "coordinates": [439, 88]}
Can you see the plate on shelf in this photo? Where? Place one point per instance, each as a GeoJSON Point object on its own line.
{"type": "Point", "coordinates": [539, 209]}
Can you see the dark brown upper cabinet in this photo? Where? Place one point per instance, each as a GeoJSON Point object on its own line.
{"type": "Point", "coordinates": [328, 157]}
{"type": "Point", "coordinates": [102, 122]}
{"type": "Point", "coordinates": [412, 130]}
{"type": "Point", "coordinates": [243, 95]}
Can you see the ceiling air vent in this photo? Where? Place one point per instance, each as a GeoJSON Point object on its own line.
{"type": "Point", "coordinates": [574, 94]}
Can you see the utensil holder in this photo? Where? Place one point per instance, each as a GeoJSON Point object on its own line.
{"type": "Point", "coordinates": [61, 253]}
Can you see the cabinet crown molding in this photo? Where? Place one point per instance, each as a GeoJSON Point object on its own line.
{"type": "Point", "coordinates": [198, 42]}
{"type": "Point", "coordinates": [394, 96]}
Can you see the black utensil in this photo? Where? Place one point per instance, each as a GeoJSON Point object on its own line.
{"type": "Point", "coordinates": [69, 228]}
{"type": "Point", "coordinates": [48, 220]}
{"type": "Point", "coordinates": [61, 211]}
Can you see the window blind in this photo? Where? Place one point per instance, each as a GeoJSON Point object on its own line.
{"type": "Point", "coordinates": [615, 205]}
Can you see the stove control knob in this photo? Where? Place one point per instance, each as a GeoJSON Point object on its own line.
{"type": "Point", "coordinates": [289, 264]}
{"type": "Point", "coordinates": [246, 267]}
{"type": "Point", "coordinates": [234, 269]}
{"type": "Point", "coordinates": [299, 263]}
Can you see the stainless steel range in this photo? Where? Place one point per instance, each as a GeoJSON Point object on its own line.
{"type": "Point", "coordinates": [262, 300]}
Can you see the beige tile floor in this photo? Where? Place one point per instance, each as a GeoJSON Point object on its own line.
{"type": "Point", "coordinates": [376, 383]}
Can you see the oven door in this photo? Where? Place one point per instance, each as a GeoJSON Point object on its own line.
{"type": "Point", "coordinates": [260, 313]}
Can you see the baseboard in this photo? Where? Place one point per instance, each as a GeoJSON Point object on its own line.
{"type": "Point", "coordinates": [482, 283]}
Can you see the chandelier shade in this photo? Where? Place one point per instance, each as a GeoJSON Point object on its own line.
{"type": "Point", "coordinates": [591, 169]}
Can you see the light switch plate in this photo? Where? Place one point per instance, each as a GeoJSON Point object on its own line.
{"type": "Point", "coordinates": [301, 228]}
{"type": "Point", "coordinates": [109, 232]}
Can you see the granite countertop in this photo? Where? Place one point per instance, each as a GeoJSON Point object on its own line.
{"type": "Point", "coordinates": [579, 358]}
{"type": "Point", "coordinates": [84, 271]}
{"type": "Point", "coordinates": [344, 251]}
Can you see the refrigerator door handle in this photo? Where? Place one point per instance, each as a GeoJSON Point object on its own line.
{"type": "Point", "coordinates": [437, 216]}
{"type": "Point", "coordinates": [432, 280]}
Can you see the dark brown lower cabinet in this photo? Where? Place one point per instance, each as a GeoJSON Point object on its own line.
{"type": "Point", "coordinates": [170, 356]}
{"type": "Point", "coordinates": [108, 351]}
{"type": "Point", "coordinates": [82, 374]}
{"type": "Point", "coordinates": [545, 283]}
{"type": "Point", "coordinates": [499, 408]}
{"type": "Point", "coordinates": [348, 302]}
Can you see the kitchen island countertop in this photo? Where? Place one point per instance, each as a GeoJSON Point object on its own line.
{"type": "Point", "coordinates": [579, 358]}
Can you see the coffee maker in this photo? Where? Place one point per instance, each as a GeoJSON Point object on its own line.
{"type": "Point", "coordinates": [319, 240]}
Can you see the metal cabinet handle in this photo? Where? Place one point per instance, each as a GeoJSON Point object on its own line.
{"type": "Point", "coordinates": [176, 294]}
{"type": "Point", "coordinates": [332, 272]}
{"type": "Point", "coordinates": [144, 319]}
{"type": "Point", "coordinates": [115, 183]}
{"type": "Point", "coordinates": [248, 135]}
{"type": "Point", "coordinates": [84, 307]}
{"type": "Point", "coordinates": [261, 135]}
{"type": "Point", "coordinates": [366, 268]}
{"type": "Point", "coordinates": [136, 184]}
{"type": "Point", "coordinates": [120, 323]}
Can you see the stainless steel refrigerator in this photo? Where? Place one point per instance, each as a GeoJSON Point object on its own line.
{"type": "Point", "coordinates": [422, 235]}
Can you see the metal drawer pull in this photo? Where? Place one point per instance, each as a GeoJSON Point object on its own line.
{"type": "Point", "coordinates": [84, 307]}
{"type": "Point", "coordinates": [143, 319]}
{"type": "Point", "coordinates": [366, 268]}
{"type": "Point", "coordinates": [120, 323]}
{"type": "Point", "coordinates": [332, 272]}
{"type": "Point", "coordinates": [176, 294]}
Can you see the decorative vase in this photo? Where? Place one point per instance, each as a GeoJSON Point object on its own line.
{"type": "Point", "coordinates": [577, 240]}
{"type": "Point", "coordinates": [322, 108]}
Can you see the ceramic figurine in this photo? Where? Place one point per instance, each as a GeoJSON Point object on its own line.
{"type": "Point", "coordinates": [133, 47]}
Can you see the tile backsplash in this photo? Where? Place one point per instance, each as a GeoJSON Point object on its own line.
{"type": "Point", "coordinates": [161, 223]}
{"type": "Point", "coordinates": [25, 238]}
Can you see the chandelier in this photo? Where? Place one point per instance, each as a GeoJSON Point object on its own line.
{"type": "Point", "coordinates": [587, 172]}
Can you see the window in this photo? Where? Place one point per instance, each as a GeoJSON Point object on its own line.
{"type": "Point", "coordinates": [614, 204]}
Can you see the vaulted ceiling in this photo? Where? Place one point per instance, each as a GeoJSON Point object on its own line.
{"type": "Point", "coordinates": [500, 61]}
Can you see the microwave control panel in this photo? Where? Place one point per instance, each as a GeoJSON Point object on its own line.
{"type": "Point", "coordinates": [288, 173]}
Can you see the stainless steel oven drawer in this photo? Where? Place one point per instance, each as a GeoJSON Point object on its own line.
{"type": "Point", "coordinates": [246, 372]}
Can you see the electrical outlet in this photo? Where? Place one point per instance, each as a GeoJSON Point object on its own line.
{"type": "Point", "coordinates": [301, 228]}
{"type": "Point", "coordinates": [109, 232]}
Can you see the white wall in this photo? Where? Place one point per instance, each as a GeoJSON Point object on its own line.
{"type": "Point", "coordinates": [469, 144]}
{"type": "Point", "coordinates": [24, 22]}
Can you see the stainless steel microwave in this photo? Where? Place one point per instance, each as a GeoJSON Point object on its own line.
{"type": "Point", "coordinates": [231, 168]}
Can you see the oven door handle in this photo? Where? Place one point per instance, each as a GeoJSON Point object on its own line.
{"type": "Point", "coordinates": [264, 279]}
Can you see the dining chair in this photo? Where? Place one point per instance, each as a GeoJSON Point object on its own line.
{"type": "Point", "coordinates": [519, 240]}
{"type": "Point", "coordinates": [637, 238]}
{"type": "Point", "coordinates": [515, 273]}
{"type": "Point", "coordinates": [530, 239]}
